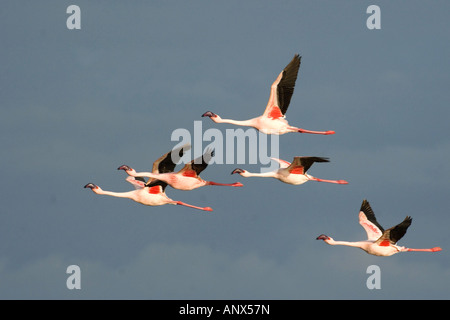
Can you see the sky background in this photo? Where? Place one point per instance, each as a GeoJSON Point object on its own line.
{"type": "Point", "coordinates": [76, 104]}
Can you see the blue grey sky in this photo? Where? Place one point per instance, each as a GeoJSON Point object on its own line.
{"type": "Point", "coordinates": [76, 104]}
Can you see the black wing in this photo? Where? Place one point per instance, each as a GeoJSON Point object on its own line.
{"type": "Point", "coordinates": [285, 88]}
{"type": "Point", "coordinates": [397, 232]}
{"type": "Point", "coordinates": [307, 162]}
{"type": "Point", "coordinates": [199, 164]}
{"type": "Point", "coordinates": [140, 179]}
{"type": "Point", "coordinates": [167, 162]}
{"type": "Point", "coordinates": [156, 182]}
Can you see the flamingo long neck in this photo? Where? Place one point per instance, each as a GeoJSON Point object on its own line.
{"type": "Point", "coordinates": [245, 123]}
{"type": "Point", "coordinates": [128, 194]}
{"type": "Point", "coordinates": [269, 174]}
{"type": "Point", "coordinates": [146, 174]}
{"type": "Point", "coordinates": [356, 244]}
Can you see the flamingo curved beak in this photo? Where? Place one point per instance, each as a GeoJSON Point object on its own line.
{"type": "Point", "coordinates": [124, 167]}
{"type": "Point", "coordinates": [90, 186]}
{"type": "Point", "coordinates": [209, 114]}
{"type": "Point", "coordinates": [323, 237]}
{"type": "Point", "coordinates": [237, 170]}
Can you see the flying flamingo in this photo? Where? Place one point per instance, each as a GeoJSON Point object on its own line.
{"type": "Point", "coordinates": [379, 242]}
{"type": "Point", "coordinates": [273, 119]}
{"type": "Point", "coordinates": [151, 193]}
{"type": "Point", "coordinates": [291, 173]}
{"type": "Point", "coordinates": [187, 178]}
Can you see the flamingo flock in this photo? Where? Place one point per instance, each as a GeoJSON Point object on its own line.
{"type": "Point", "coordinates": [380, 242]}
{"type": "Point", "coordinates": [152, 192]}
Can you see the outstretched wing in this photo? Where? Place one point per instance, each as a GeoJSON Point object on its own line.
{"type": "Point", "coordinates": [394, 234]}
{"type": "Point", "coordinates": [196, 166]}
{"type": "Point", "coordinates": [156, 186]}
{"type": "Point", "coordinates": [283, 163]}
{"type": "Point", "coordinates": [282, 90]}
{"type": "Point", "coordinates": [137, 182]}
{"type": "Point", "coordinates": [167, 162]}
{"type": "Point", "coordinates": [368, 221]}
{"type": "Point", "coordinates": [301, 164]}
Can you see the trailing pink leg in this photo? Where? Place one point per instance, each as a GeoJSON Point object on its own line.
{"type": "Point", "coordinates": [191, 206]}
{"type": "Point", "coordinates": [435, 249]}
{"type": "Point", "coordinates": [236, 184]}
{"type": "Point", "coordinates": [329, 181]}
{"type": "Point", "coordinates": [316, 132]}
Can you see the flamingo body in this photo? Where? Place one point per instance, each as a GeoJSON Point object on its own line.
{"type": "Point", "coordinates": [379, 242]}
{"type": "Point", "coordinates": [291, 173]}
{"type": "Point", "coordinates": [184, 182]}
{"type": "Point", "coordinates": [273, 120]}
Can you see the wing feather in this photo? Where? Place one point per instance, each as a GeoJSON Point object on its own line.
{"type": "Point", "coordinates": [368, 221]}
{"type": "Point", "coordinates": [304, 163]}
{"type": "Point", "coordinates": [282, 90]}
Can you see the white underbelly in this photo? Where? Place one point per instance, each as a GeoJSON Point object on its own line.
{"type": "Point", "coordinates": [294, 179]}
{"type": "Point", "coordinates": [382, 251]}
{"type": "Point", "coordinates": [149, 199]}
{"type": "Point", "coordinates": [269, 126]}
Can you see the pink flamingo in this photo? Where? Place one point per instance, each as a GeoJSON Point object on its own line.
{"type": "Point", "coordinates": [379, 242]}
{"type": "Point", "coordinates": [291, 173]}
{"type": "Point", "coordinates": [188, 178]}
{"type": "Point", "coordinates": [273, 119]}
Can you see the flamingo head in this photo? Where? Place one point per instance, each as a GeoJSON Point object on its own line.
{"type": "Point", "coordinates": [130, 171]}
{"type": "Point", "coordinates": [94, 188]}
{"type": "Point", "coordinates": [214, 117]}
{"type": "Point", "coordinates": [91, 186]}
{"type": "Point", "coordinates": [209, 114]}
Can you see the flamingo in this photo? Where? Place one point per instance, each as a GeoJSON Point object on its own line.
{"type": "Point", "coordinates": [273, 119]}
{"type": "Point", "coordinates": [291, 173]}
{"type": "Point", "coordinates": [151, 193]}
{"type": "Point", "coordinates": [379, 242]}
{"type": "Point", "coordinates": [187, 178]}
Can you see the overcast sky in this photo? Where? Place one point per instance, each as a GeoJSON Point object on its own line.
{"type": "Point", "coordinates": [77, 104]}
